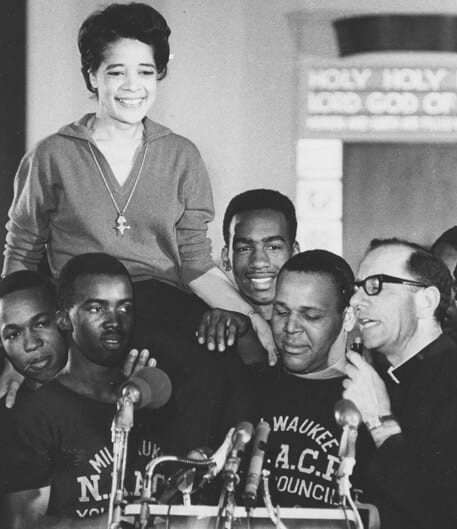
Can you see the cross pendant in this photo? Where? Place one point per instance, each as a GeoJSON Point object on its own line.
{"type": "Point", "coordinates": [121, 225]}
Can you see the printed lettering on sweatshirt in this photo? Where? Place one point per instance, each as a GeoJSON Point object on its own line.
{"type": "Point", "coordinates": [94, 488]}
{"type": "Point", "coordinates": [305, 457]}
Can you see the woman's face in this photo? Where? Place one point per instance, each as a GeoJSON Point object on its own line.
{"type": "Point", "coordinates": [126, 81]}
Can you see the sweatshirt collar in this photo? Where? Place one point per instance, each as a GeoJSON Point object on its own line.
{"type": "Point", "coordinates": [80, 129]}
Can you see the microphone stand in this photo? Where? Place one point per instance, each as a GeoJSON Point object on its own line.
{"type": "Point", "coordinates": [148, 487]}
{"type": "Point", "coordinates": [120, 429]}
{"type": "Point", "coordinates": [347, 462]}
{"type": "Point", "coordinates": [273, 512]}
{"type": "Point", "coordinates": [347, 416]}
{"type": "Point", "coordinates": [227, 501]}
{"type": "Point", "coordinates": [230, 480]}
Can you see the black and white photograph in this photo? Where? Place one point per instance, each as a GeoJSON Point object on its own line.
{"type": "Point", "coordinates": [229, 264]}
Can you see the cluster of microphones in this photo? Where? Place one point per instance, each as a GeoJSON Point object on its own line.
{"type": "Point", "coordinates": [151, 388]}
{"type": "Point", "coordinates": [224, 464]}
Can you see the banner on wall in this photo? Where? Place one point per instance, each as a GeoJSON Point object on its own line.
{"type": "Point", "coordinates": [369, 103]}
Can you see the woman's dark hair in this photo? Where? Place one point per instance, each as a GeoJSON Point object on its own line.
{"type": "Point", "coordinates": [122, 21]}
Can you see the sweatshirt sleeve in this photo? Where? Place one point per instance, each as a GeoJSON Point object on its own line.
{"type": "Point", "coordinates": [191, 230]}
{"type": "Point", "coordinates": [29, 214]}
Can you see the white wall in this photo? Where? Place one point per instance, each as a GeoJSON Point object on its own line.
{"type": "Point", "coordinates": [231, 85]}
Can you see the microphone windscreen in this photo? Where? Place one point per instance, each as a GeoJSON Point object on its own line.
{"type": "Point", "coordinates": [347, 413]}
{"type": "Point", "coordinates": [154, 387]}
{"type": "Point", "coordinates": [245, 431]}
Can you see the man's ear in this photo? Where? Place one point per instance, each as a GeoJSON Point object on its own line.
{"type": "Point", "coordinates": [226, 259]}
{"type": "Point", "coordinates": [295, 248]}
{"type": "Point", "coordinates": [349, 319]}
{"type": "Point", "coordinates": [63, 320]}
{"type": "Point", "coordinates": [427, 301]}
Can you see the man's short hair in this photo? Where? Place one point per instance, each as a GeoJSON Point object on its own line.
{"type": "Point", "coordinates": [25, 280]}
{"type": "Point", "coordinates": [425, 267]}
{"type": "Point", "coordinates": [256, 199]}
{"type": "Point", "coordinates": [325, 262]}
{"type": "Point", "coordinates": [448, 237]}
{"type": "Point", "coordinates": [83, 265]}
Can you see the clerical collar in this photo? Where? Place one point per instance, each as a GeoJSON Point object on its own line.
{"type": "Point", "coordinates": [401, 371]}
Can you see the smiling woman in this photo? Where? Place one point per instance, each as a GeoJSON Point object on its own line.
{"type": "Point", "coordinates": [125, 84]}
{"type": "Point", "coordinates": [117, 182]}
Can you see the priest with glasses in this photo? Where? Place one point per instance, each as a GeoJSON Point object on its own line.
{"type": "Point", "coordinates": [401, 297]}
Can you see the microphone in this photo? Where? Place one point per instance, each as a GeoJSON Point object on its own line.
{"type": "Point", "coordinates": [183, 480]}
{"type": "Point", "coordinates": [149, 388]}
{"type": "Point", "coordinates": [357, 345]}
{"type": "Point", "coordinates": [255, 465]}
{"type": "Point", "coordinates": [218, 459]}
{"type": "Point", "coordinates": [348, 416]}
{"type": "Point", "coordinates": [241, 437]}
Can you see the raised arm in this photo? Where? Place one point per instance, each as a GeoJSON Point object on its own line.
{"type": "Point", "coordinates": [413, 473]}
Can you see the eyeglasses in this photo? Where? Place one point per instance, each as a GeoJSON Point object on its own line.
{"type": "Point", "coordinates": [372, 285]}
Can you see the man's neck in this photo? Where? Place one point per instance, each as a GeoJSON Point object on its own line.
{"type": "Point", "coordinates": [91, 380]}
{"type": "Point", "coordinates": [336, 360]}
{"type": "Point", "coordinates": [264, 310]}
{"type": "Point", "coordinates": [425, 335]}
{"type": "Point", "coordinates": [32, 384]}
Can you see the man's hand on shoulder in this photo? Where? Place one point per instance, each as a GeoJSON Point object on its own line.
{"type": "Point", "coordinates": [220, 328]}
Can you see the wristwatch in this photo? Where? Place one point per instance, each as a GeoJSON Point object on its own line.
{"type": "Point", "coordinates": [376, 422]}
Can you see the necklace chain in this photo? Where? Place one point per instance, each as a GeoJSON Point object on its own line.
{"type": "Point", "coordinates": [121, 221]}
